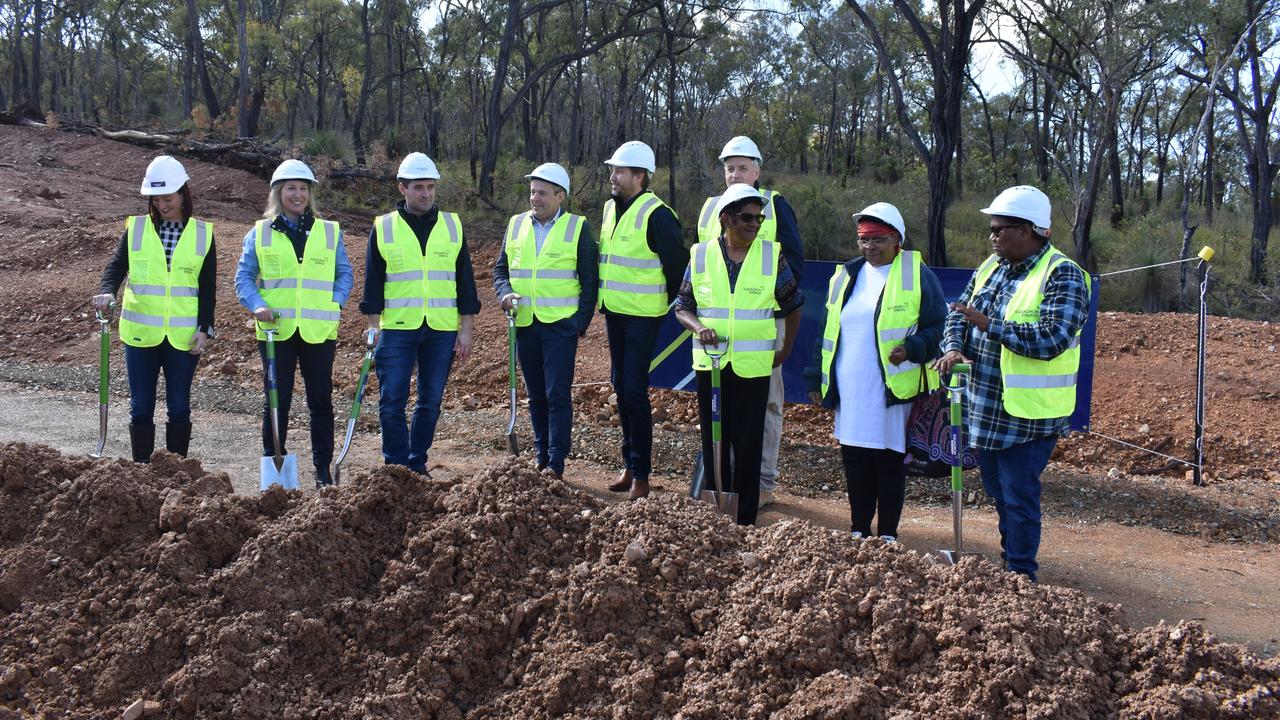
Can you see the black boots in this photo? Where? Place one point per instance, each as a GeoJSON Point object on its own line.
{"type": "Point", "coordinates": [177, 438]}
{"type": "Point", "coordinates": [323, 478]}
{"type": "Point", "coordinates": [143, 440]}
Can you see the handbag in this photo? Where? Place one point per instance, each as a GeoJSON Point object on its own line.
{"type": "Point", "coordinates": [929, 452]}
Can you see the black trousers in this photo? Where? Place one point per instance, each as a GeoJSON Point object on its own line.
{"type": "Point", "coordinates": [876, 480]}
{"type": "Point", "coordinates": [316, 363]}
{"type": "Point", "coordinates": [742, 407]}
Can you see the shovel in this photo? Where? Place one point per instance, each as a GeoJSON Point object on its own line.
{"type": "Point", "coordinates": [957, 553]}
{"type": "Point", "coordinates": [370, 342]}
{"type": "Point", "coordinates": [724, 501]}
{"type": "Point", "coordinates": [513, 446]}
{"type": "Point", "coordinates": [104, 377]}
{"type": "Point", "coordinates": [280, 469]}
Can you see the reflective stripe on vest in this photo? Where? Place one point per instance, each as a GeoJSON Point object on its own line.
{"type": "Point", "coordinates": [299, 293]}
{"type": "Point", "coordinates": [546, 280]}
{"type": "Point", "coordinates": [631, 279]}
{"type": "Point", "coordinates": [161, 297]}
{"type": "Point", "coordinates": [709, 221]}
{"type": "Point", "coordinates": [1035, 389]}
{"type": "Point", "coordinates": [419, 287]}
{"type": "Point", "coordinates": [743, 314]}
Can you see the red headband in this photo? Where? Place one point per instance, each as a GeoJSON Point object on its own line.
{"type": "Point", "coordinates": [874, 228]}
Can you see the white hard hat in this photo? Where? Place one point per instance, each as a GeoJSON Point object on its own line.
{"type": "Point", "coordinates": [741, 146]}
{"type": "Point", "coordinates": [417, 166]}
{"type": "Point", "coordinates": [735, 193]}
{"type": "Point", "coordinates": [552, 173]}
{"type": "Point", "coordinates": [885, 213]}
{"type": "Point", "coordinates": [292, 170]}
{"type": "Point", "coordinates": [635, 154]}
{"type": "Point", "coordinates": [164, 175]}
{"type": "Point", "coordinates": [1025, 203]}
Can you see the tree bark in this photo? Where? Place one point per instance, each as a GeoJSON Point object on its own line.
{"type": "Point", "coordinates": [201, 66]}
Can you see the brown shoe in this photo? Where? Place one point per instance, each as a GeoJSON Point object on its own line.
{"type": "Point", "coordinates": [623, 483]}
{"type": "Point", "coordinates": [639, 489]}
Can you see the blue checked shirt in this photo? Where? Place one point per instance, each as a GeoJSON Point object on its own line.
{"type": "Point", "coordinates": [1063, 312]}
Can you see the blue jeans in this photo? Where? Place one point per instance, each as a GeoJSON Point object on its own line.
{"type": "Point", "coordinates": [631, 342]}
{"type": "Point", "coordinates": [547, 353]}
{"type": "Point", "coordinates": [398, 353]}
{"type": "Point", "coordinates": [143, 366]}
{"type": "Point", "coordinates": [1012, 478]}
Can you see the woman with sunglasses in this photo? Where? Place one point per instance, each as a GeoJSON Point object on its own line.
{"type": "Point", "coordinates": [732, 290]}
{"type": "Point", "coordinates": [884, 319]}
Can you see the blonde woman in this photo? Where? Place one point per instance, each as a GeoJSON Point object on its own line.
{"type": "Point", "coordinates": [168, 304]}
{"type": "Point", "coordinates": [294, 274]}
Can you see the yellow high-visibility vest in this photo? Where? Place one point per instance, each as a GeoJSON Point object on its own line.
{"type": "Point", "coordinates": [1035, 389]}
{"type": "Point", "coordinates": [300, 293]}
{"type": "Point", "coordinates": [743, 314]}
{"type": "Point", "coordinates": [161, 297]}
{"type": "Point", "coordinates": [631, 279]}
{"type": "Point", "coordinates": [546, 281]}
{"type": "Point", "coordinates": [897, 316]}
{"type": "Point", "coordinates": [419, 287]}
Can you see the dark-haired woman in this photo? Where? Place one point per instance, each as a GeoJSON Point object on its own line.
{"type": "Point", "coordinates": [732, 290]}
{"type": "Point", "coordinates": [168, 303]}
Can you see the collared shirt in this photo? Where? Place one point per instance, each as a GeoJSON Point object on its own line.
{"type": "Point", "coordinates": [541, 229]}
{"type": "Point", "coordinates": [247, 270]}
{"type": "Point", "coordinates": [588, 267]}
{"type": "Point", "coordinates": [1062, 313]}
{"type": "Point", "coordinates": [170, 232]}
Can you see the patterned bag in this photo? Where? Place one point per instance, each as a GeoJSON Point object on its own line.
{"type": "Point", "coordinates": [929, 452]}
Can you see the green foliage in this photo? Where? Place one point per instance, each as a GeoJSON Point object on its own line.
{"type": "Point", "coordinates": [329, 144]}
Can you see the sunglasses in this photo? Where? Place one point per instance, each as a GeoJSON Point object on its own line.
{"type": "Point", "coordinates": [746, 217]}
{"type": "Point", "coordinates": [876, 242]}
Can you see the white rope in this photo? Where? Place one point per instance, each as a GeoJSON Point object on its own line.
{"type": "Point", "coordinates": [1147, 267]}
{"type": "Point", "coordinates": [1139, 447]}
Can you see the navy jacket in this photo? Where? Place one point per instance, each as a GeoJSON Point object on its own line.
{"type": "Point", "coordinates": [922, 345]}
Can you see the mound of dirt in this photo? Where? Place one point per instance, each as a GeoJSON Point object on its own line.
{"type": "Point", "coordinates": [511, 594]}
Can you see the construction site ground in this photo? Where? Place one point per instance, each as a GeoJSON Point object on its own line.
{"type": "Point", "coordinates": [1121, 526]}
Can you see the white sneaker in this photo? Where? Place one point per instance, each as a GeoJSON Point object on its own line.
{"type": "Point", "coordinates": [766, 498]}
{"type": "Point", "coordinates": [889, 539]}
{"type": "Point", "coordinates": [855, 534]}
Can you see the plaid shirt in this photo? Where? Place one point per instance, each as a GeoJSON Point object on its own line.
{"type": "Point", "coordinates": [1063, 312]}
{"type": "Point", "coordinates": [170, 232]}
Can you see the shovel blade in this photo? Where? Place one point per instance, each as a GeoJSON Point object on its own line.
{"type": "Point", "coordinates": [952, 557]}
{"type": "Point", "coordinates": [728, 504]}
{"type": "Point", "coordinates": [513, 445]}
{"type": "Point", "coordinates": [285, 475]}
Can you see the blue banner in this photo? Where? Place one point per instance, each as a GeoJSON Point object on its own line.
{"type": "Point", "coordinates": [675, 347]}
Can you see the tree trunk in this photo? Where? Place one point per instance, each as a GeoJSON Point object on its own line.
{"type": "Point", "coordinates": [37, 30]}
{"type": "Point", "coordinates": [1210, 157]}
{"type": "Point", "coordinates": [242, 83]}
{"type": "Point", "coordinates": [201, 66]}
{"type": "Point", "coordinates": [362, 101]}
{"type": "Point", "coordinates": [1117, 181]}
{"type": "Point", "coordinates": [493, 105]}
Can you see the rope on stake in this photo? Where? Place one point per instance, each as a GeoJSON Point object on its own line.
{"type": "Point", "coordinates": [1205, 256]}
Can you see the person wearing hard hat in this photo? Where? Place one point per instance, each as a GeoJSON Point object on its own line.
{"type": "Point", "coordinates": [732, 290]}
{"type": "Point", "coordinates": [167, 318]}
{"type": "Point", "coordinates": [642, 259]}
{"type": "Point", "coordinates": [1018, 325]}
{"type": "Point", "coordinates": [294, 275]}
{"type": "Point", "coordinates": [884, 317]}
{"type": "Point", "coordinates": [741, 159]}
{"type": "Point", "coordinates": [547, 271]}
{"type": "Point", "coordinates": [420, 300]}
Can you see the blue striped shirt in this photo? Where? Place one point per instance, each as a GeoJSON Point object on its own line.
{"type": "Point", "coordinates": [1062, 313]}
